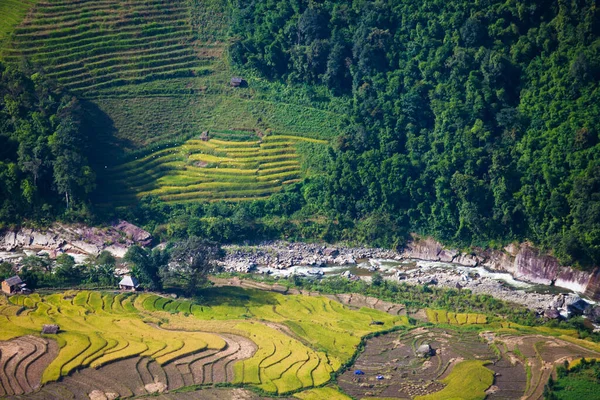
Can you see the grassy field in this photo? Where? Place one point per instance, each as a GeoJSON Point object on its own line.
{"type": "Point", "coordinates": [13, 12]}
{"type": "Point", "coordinates": [99, 328]}
{"type": "Point", "coordinates": [322, 393]}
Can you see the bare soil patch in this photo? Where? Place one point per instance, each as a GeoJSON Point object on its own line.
{"type": "Point", "coordinates": [22, 362]}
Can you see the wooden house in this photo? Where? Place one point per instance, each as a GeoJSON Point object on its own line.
{"type": "Point", "coordinates": [13, 285]}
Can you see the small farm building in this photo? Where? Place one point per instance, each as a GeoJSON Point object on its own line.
{"type": "Point", "coordinates": [13, 285]}
{"type": "Point", "coordinates": [129, 283]}
{"type": "Point", "coordinates": [50, 329]}
{"type": "Point", "coordinates": [237, 82]}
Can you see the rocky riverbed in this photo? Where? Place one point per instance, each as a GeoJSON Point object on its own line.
{"type": "Point", "coordinates": [509, 273]}
{"type": "Point", "coordinates": [281, 259]}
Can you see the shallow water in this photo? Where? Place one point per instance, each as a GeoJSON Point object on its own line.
{"type": "Point", "coordinates": [388, 268]}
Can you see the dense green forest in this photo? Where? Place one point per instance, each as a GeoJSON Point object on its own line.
{"type": "Point", "coordinates": [44, 170]}
{"type": "Point", "coordinates": [475, 122]}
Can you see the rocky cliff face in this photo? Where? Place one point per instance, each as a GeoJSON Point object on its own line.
{"type": "Point", "coordinates": [76, 239]}
{"type": "Point", "coordinates": [523, 262]}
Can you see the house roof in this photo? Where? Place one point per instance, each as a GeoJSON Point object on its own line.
{"type": "Point", "coordinates": [129, 281]}
{"type": "Point", "coordinates": [236, 79]}
{"type": "Point", "coordinates": [14, 280]}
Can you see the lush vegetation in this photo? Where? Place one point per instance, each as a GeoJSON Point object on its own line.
{"type": "Point", "coordinates": [43, 150]}
{"type": "Point", "coordinates": [574, 382]}
{"type": "Point", "coordinates": [474, 122]}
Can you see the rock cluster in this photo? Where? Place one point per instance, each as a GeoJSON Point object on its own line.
{"type": "Point", "coordinates": [424, 350]}
{"type": "Point", "coordinates": [282, 255]}
{"type": "Point", "coordinates": [522, 261]}
{"type": "Point", "coordinates": [76, 239]}
{"type": "Point", "coordinates": [454, 279]}
{"type": "Point", "coordinates": [568, 305]}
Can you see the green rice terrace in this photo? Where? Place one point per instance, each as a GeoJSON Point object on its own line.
{"type": "Point", "coordinates": [128, 344]}
{"type": "Point", "coordinates": [245, 168]}
{"type": "Point", "coordinates": [153, 76]}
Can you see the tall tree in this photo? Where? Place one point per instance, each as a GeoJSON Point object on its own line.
{"type": "Point", "coordinates": [193, 259]}
{"type": "Point", "coordinates": [147, 265]}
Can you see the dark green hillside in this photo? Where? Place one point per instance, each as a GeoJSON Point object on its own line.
{"type": "Point", "coordinates": [476, 122]}
{"type": "Point", "coordinates": [44, 151]}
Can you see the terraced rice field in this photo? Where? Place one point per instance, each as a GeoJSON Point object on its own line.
{"type": "Point", "coordinates": [446, 317]}
{"type": "Point", "coordinates": [89, 45]}
{"type": "Point", "coordinates": [22, 362]}
{"type": "Point", "coordinates": [231, 165]}
{"type": "Point", "coordinates": [303, 339]}
{"type": "Point", "coordinates": [113, 341]}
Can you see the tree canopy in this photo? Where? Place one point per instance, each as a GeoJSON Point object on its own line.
{"type": "Point", "coordinates": [474, 122]}
{"type": "Point", "coordinates": [43, 165]}
{"type": "Point", "coordinates": [192, 260]}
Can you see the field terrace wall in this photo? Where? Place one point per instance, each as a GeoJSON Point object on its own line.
{"type": "Point", "coordinates": [522, 261]}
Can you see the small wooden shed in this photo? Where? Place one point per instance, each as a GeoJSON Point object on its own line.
{"type": "Point", "coordinates": [236, 81]}
{"type": "Point", "coordinates": [50, 329]}
{"type": "Point", "coordinates": [129, 283]}
{"type": "Point", "coordinates": [13, 285]}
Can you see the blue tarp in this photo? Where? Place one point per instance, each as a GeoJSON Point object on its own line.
{"type": "Point", "coordinates": [358, 372]}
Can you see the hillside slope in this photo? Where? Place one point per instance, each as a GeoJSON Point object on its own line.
{"type": "Point", "coordinates": [154, 75]}
{"type": "Point", "coordinates": [476, 122]}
